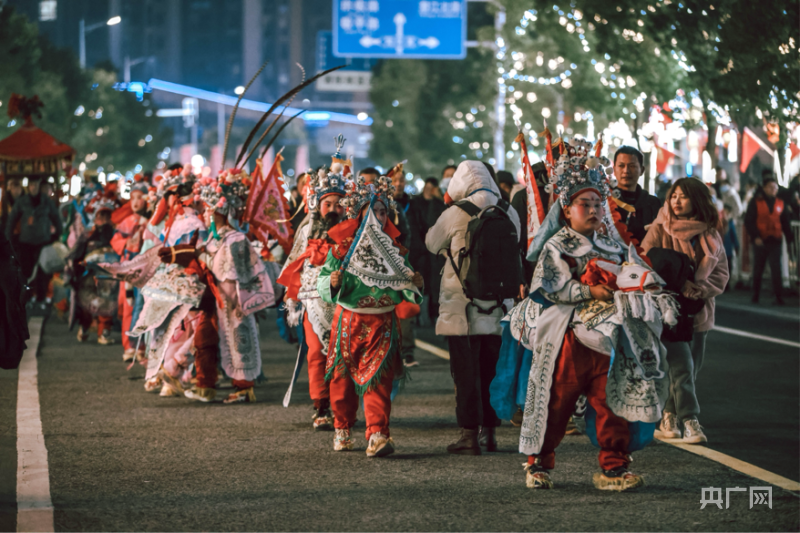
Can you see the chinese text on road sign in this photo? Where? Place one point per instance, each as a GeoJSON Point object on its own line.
{"type": "Point", "coordinates": [400, 28]}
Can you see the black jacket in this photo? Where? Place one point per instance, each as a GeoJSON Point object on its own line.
{"type": "Point", "coordinates": [676, 269]}
{"type": "Point", "coordinates": [647, 207]}
{"type": "Point", "coordinates": [13, 322]}
{"type": "Point", "coordinates": [38, 215]}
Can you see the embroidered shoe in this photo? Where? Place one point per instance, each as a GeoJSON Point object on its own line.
{"type": "Point", "coordinates": [82, 335]}
{"type": "Point", "coordinates": [172, 382]}
{"type": "Point", "coordinates": [153, 384]}
{"type": "Point", "coordinates": [323, 419]}
{"type": "Point", "coordinates": [669, 427]}
{"type": "Point", "coordinates": [105, 340]}
{"type": "Point", "coordinates": [201, 394]}
{"type": "Point", "coordinates": [168, 391]}
{"type": "Point", "coordinates": [536, 478]}
{"type": "Point", "coordinates": [128, 355]}
{"type": "Point", "coordinates": [380, 445]}
{"type": "Point", "coordinates": [618, 480]}
{"type": "Point", "coordinates": [247, 395]}
{"type": "Point", "coordinates": [342, 440]}
{"type": "Point", "coordinates": [693, 432]}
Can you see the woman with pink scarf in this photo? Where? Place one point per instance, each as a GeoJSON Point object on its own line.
{"type": "Point", "coordinates": [688, 223]}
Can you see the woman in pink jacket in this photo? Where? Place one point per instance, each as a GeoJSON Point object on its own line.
{"type": "Point", "coordinates": [688, 223]}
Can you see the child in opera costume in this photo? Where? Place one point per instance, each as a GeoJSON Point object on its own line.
{"type": "Point", "coordinates": [593, 322]}
{"type": "Point", "coordinates": [172, 293]}
{"type": "Point", "coordinates": [240, 285]}
{"type": "Point", "coordinates": [367, 276]}
{"type": "Point", "coordinates": [300, 274]}
{"type": "Point", "coordinates": [95, 295]}
{"type": "Point", "coordinates": [131, 233]}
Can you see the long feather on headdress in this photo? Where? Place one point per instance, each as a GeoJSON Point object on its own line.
{"type": "Point", "coordinates": [233, 114]}
{"type": "Point", "coordinates": [269, 111]}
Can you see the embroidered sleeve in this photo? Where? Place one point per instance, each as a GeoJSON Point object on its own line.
{"type": "Point", "coordinates": [553, 279]}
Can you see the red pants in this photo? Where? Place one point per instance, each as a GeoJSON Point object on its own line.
{"type": "Point", "coordinates": [206, 355]}
{"type": "Point", "coordinates": [317, 386]}
{"type": "Point", "coordinates": [103, 322]}
{"type": "Point", "coordinates": [377, 403]}
{"type": "Point", "coordinates": [580, 370]}
{"type": "Point", "coordinates": [206, 344]}
{"type": "Point", "coordinates": [127, 316]}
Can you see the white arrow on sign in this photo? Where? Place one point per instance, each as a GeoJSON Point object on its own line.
{"type": "Point", "coordinates": [399, 22]}
{"type": "Point", "coordinates": [399, 41]}
{"type": "Point", "coordinates": [430, 42]}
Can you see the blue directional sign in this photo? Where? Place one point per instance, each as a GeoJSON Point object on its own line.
{"type": "Point", "coordinates": [326, 59]}
{"type": "Point", "coordinates": [400, 29]}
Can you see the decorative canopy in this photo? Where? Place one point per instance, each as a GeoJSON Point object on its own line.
{"type": "Point", "coordinates": [30, 150]}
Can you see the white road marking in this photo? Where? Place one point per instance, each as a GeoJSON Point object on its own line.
{"type": "Point", "coordinates": [735, 464]}
{"type": "Point", "coordinates": [788, 315]}
{"type": "Point", "coordinates": [34, 506]}
{"type": "Point", "coordinates": [756, 336]}
{"type": "Point", "coordinates": [428, 347]}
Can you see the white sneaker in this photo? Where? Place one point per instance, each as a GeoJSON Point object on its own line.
{"type": "Point", "coordinates": [379, 445]}
{"type": "Point", "coordinates": [693, 432]}
{"type": "Point", "coordinates": [342, 440]}
{"type": "Point", "coordinates": [128, 355]}
{"type": "Point", "coordinates": [669, 427]}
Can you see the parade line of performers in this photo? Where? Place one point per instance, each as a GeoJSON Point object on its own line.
{"type": "Point", "coordinates": [605, 330]}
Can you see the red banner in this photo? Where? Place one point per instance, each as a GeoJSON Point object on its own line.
{"type": "Point", "coordinates": [267, 208]}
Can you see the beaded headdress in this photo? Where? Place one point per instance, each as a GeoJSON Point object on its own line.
{"type": "Point", "coordinates": [361, 193]}
{"type": "Point", "coordinates": [177, 181]}
{"type": "Point", "coordinates": [226, 194]}
{"type": "Point", "coordinates": [334, 181]}
{"type": "Point", "coordinates": [577, 169]}
{"type": "Point", "coordinates": [140, 184]}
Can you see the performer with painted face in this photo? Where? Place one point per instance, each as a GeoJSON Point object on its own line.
{"type": "Point", "coordinates": [172, 292]}
{"type": "Point", "coordinates": [240, 285]}
{"type": "Point", "coordinates": [593, 321]}
{"type": "Point", "coordinates": [367, 274]}
{"type": "Point", "coordinates": [300, 274]}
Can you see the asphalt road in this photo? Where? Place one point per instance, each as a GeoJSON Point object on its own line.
{"type": "Point", "coordinates": [124, 460]}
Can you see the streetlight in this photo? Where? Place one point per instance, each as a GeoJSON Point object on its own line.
{"type": "Point", "coordinates": [126, 71]}
{"type": "Point", "coordinates": [83, 29]}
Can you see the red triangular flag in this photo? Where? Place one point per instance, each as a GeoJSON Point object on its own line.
{"type": "Point", "coordinates": [266, 207]}
{"type": "Point", "coordinates": [751, 144]}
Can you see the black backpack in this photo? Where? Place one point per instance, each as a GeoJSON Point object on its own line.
{"type": "Point", "coordinates": [492, 246]}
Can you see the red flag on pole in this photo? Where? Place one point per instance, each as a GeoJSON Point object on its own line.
{"type": "Point", "coordinates": [664, 158]}
{"type": "Point", "coordinates": [536, 212]}
{"type": "Point", "coordinates": [267, 207]}
{"type": "Point", "coordinates": [751, 144]}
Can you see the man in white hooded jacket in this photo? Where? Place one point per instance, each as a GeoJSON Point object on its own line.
{"type": "Point", "coordinates": [474, 337]}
